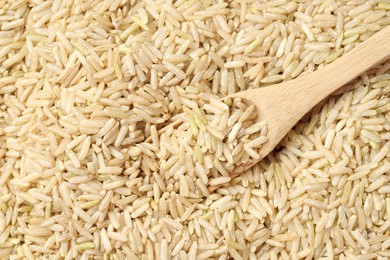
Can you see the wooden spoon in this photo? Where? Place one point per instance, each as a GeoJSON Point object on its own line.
{"type": "Point", "coordinates": [283, 105]}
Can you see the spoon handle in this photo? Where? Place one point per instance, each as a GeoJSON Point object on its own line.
{"type": "Point", "coordinates": [321, 83]}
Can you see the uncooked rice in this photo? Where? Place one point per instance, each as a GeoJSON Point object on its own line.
{"type": "Point", "coordinates": [115, 144]}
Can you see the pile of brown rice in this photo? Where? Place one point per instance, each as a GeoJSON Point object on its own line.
{"type": "Point", "coordinates": [86, 173]}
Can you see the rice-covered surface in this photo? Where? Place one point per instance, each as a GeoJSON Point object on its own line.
{"type": "Point", "coordinates": [90, 169]}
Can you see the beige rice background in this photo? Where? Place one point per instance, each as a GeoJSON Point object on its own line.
{"type": "Point", "coordinates": [84, 173]}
